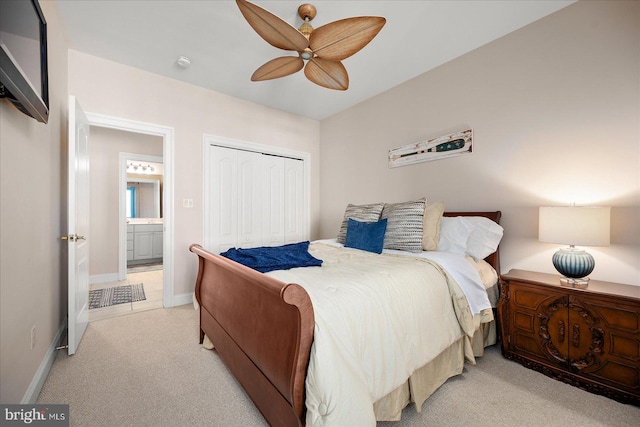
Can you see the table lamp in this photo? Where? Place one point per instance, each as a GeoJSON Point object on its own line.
{"type": "Point", "coordinates": [575, 225]}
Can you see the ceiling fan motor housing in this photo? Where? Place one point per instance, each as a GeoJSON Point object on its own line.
{"type": "Point", "coordinates": [307, 12]}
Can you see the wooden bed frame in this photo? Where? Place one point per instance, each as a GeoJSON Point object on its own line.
{"type": "Point", "coordinates": [263, 328]}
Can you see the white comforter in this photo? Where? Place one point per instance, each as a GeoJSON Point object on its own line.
{"type": "Point", "coordinates": [377, 319]}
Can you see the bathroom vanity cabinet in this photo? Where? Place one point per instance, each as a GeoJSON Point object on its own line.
{"type": "Point", "coordinates": [144, 243]}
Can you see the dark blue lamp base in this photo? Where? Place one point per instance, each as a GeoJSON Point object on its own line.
{"type": "Point", "coordinates": [575, 265]}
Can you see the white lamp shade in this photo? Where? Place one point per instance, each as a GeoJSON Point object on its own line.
{"type": "Point", "coordinates": [579, 226]}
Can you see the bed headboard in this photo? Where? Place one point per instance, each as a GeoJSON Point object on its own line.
{"type": "Point", "coordinates": [494, 258]}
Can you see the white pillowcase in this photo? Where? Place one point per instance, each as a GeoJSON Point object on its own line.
{"type": "Point", "coordinates": [454, 233]}
{"type": "Point", "coordinates": [485, 238]}
{"type": "Point", "coordinates": [475, 236]}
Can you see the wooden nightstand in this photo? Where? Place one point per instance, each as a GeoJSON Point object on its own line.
{"type": "Point", "coordinates": [589, 338]}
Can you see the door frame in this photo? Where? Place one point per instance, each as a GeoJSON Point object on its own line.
{"type": "Point", "coordinates": [122, 215]}
{"type": "Point", "coordinates": [208, 140]}
{"type": "Point", "coordinates": [168, 150]}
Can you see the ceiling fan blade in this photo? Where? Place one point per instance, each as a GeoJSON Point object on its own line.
{"type": "Point", "coordinates": [274, 30]}
{"type": "Point", "coordinates": [278, 67]}
{"type": "Point", "coordinates": [341, 39]}
{"type": "Point", "coordinates": [329, 74]}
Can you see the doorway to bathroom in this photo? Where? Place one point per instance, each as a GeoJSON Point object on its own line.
{"type": "Point", "coordinates": [127, 262]}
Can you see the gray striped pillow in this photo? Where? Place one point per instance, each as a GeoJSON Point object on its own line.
{"type": "Point", "coordinates": [404, 225]}
{"type": "Point", "coordinates": [362, 213]}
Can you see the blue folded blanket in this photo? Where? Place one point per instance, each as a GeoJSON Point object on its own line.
{"type": "Point", "coordinates": [269, 258]}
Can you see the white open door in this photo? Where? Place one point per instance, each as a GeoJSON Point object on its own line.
{"type": "Point", "coordinates": [78, 224]}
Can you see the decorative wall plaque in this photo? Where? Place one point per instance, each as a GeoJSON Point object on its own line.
{"type": "Point", "coordinates": [442, 147]}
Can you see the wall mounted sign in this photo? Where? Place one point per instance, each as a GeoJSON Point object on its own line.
{"type": "Point", "coordinates": [442, 147]}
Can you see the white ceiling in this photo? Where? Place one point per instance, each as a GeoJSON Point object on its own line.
{"type": "Point", "coordinates": [224, 50]}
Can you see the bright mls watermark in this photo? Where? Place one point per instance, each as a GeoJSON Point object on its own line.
{"type": "Point", "coordinates": [34, 415]}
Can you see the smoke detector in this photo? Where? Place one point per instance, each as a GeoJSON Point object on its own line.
{"type": "Point", "coordinates": [183, 62]}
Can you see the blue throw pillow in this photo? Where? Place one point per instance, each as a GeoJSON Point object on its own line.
{"type": "Point", "coordinates": [367, 236]}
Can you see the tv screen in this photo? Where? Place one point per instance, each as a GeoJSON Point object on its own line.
{"type": "Point", "coordinates": [23, 57]}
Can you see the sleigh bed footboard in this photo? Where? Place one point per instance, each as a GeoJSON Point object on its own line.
{"type": "Point", "coordinates": [262, 329]}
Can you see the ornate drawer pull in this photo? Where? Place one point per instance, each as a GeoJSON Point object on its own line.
{"type": "Point", "coordinates": [561, 331]}
{"type": "Point", "coordinates": [576, 335]}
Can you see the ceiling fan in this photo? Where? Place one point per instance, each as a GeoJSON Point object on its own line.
{"type": "Point", "coordinates": [322, 49]}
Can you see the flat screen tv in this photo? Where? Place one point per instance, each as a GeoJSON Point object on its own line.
{"type": "Point", "coordinates": [23, 57]}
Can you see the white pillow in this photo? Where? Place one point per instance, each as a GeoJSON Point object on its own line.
{"type": "Point", "coordinates": [475, 236]}
{"type": "Point", "coordinates": [485, 237]}
{"type": "Point", "coordinates": [454, 233]}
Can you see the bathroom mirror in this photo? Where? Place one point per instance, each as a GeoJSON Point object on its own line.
{"type": "Point", "coordinates": [143, 198]}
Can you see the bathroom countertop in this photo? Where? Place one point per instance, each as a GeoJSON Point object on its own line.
{"type": "Point", "coordinates": [134, 221]}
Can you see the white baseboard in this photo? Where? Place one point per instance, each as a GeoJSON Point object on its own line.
{"type": "Point", "coordinates": [103, 278]}
{"type": "Point", "coordinates": [182, 299]}
{"type": "Point", "coordinates": [33, 391]}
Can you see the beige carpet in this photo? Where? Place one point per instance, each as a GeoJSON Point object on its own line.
{"type": "Point", "coordinates": [147, 369]}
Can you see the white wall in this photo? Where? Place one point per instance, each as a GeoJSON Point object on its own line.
{"type": "Point", "coordinates": [112, 89]}
{"type": "Point", "coordinates": [555, 110]}
{"type": "Point", "coordinates": [32, 220]}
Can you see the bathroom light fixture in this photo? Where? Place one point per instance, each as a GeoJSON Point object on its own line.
{"type": "Point", "coordinates": [140, 168]}
{"type": "Point", "coordinates": [584, 226]}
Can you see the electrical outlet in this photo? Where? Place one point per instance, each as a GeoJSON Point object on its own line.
{"type": "Point", "coordinates": [33, 337]}
{"type": "Point", "coordinates": [187, 203]}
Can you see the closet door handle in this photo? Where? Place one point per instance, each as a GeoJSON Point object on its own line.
{"type": "Point", "coordinates": [561, 331]}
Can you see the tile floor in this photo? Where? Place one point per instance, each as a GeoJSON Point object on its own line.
{"type": "Point", "coordinates": [152, 281]}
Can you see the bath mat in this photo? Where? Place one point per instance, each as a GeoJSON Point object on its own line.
{"type": "Point", "coordinates": [107, 297]}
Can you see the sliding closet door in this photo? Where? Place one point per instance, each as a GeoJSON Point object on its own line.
{"type": "Point", "coordinates": [222, 217]}
{"type": "Point", "coordinates": [273, 200]}
{"type": "Point", "coordinates": [249, 199]}
{"type": "Point", "coordinates": [252, 199]}
{"type": "Point", "coordinates": [294, 217]}
{"type": "Point", "coordinates": [283, 200]}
